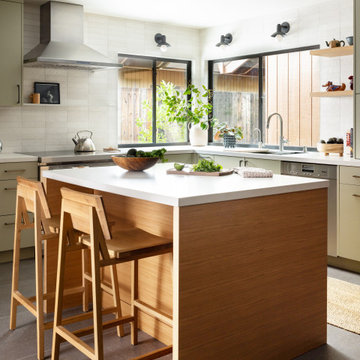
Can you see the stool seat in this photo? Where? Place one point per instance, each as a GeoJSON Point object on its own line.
{"type": "Point", "coordinates": [129, 241]}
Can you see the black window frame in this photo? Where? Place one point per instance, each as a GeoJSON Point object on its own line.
{"type": "Point", "coordinates": [154, 59]}
{"type": "Point", "coordinates": [260, 56]}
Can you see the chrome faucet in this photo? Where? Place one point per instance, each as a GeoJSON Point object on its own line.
{"type": "Point", "coordinates": [281, 138]}
{"type": "Point", "coordinates": [257, 131]}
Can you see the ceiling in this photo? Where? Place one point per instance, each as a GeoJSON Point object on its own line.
{"type": "Point", "coordinates": [191, 13]}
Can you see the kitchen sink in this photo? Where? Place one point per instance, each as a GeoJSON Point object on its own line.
{"type": "Point", "coordinates": [263, 151]}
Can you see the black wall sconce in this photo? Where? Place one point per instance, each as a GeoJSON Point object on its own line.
{"type": "Point", "coordinates": [225, 40]}
{"type": "Point", "coordinates": [161, 42]}
{"type": "Point", "coordinates": [281, 30]}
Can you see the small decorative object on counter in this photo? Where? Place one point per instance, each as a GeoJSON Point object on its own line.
{"type": "Point", "coordinates": [349, 142]}
{"type": "Point", "coordinates": [333, 145]}
{"type": "Point", "coordinates": [83, 144]}
{"type": "Point", "coordinates": [139, 160]}
{"type": "Point", "coordinates": [335, 43]}
{"type": "Point", "coordinates": [351, 78]}
{"type": "Point", "coordinates": [229, 134]}
{"type": "Point", "coordinates": [251, 172]}
{"type": "Point", "coordinates": [330, 87]}
{"type": "Point", "coordinates": [350, 40]}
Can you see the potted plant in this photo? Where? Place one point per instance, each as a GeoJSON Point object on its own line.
{"type": "Point", "coordinates": [228, 133]}
{"type": "Point", "coordinates": [190, 107]}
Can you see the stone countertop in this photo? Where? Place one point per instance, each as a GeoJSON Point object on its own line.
{"type": "Point", "coordinates": [180, 190]}
{"type": "Point", "coordinates": [10, 157]}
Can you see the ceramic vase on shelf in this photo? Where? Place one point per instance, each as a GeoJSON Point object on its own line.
{"type": "Point", "coordinates": [198, 136]}
{"type": "Point", "coordinates": [229, 141]}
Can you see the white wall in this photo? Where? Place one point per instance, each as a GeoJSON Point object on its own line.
{"type": "Point", "coordinates": [309, 26]}
{"type": "Point", "coordinates": [88, 99]}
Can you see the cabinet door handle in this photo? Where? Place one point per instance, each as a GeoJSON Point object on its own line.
{"type": "Point", "coordinates": [14, 170]}
{"type": "Point", "coordinates": [240, 162]}
{"type": "Point", "coordinates": [10, 189]}
{"type": "Point", "coordinates": [18, 93]}
{"type": "Point", "coordinates": [356, 176]}
{"type": "Point", "coordinates": [9, 223]}
{"type": "Point", "coordinates": [356, 195]}
{"type": "Point", "coordinates": [245, 162]}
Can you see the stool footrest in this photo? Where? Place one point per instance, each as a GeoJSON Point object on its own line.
{"type": "Point", "coordinates": [82, 346]}
{"type": "Point", "coordinates": [24, 301]}
{"type": "Point", "coordinates": [105, 325]}
{"type": "Point", "coordinates": [155, 354]}
{"type": "Point", "coordinates": [165, 318]}
{"type": "Point", "coordinates": [79, 317]}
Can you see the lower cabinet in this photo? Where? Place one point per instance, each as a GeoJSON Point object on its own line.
{"type": "Point", "coordinates": [234, 161]}
{"type": "Point", "coordinates": [182, 158]}
{"type": "Point", "coordinates": [8, 174]}
{"type": "Point", "coordinates": [349, 213]}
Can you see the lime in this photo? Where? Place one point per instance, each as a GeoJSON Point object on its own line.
{"type": "Point", "coordinates": [178, 167]}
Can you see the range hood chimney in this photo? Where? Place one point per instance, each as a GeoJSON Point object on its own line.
{"type": "Point", "coordinates": [62, 40]}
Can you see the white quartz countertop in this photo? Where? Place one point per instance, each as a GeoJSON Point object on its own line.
{"type": "Point", "coordinates": [180, 190]}
{"type": "Point", "coordinates": [10, 157]}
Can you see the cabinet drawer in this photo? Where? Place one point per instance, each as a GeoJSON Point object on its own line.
{"type": "Point", "coordinates": [350, 175]}
{"type": "Point", "coordinates": [10, 171]}
{"type": "Point", "coordinates": [7, 225]}
{"type": "Point", "coordinates": [7, 197]}
{"type": "Point", "coordinates": [349, 239]}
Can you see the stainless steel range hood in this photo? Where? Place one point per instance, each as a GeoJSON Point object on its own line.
{"type": "Point", "coordinates": [62, 40]}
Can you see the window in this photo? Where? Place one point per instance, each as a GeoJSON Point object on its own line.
{"type": "Point", "coordinates": [246, 90]}
{"type": "Point", "coordinates": [142, 119]}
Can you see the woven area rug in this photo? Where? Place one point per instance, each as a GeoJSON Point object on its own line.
{"type": "Point", "coordinates": [343, 303]}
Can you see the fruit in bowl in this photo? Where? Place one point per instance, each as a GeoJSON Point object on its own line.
{"type": "Point", "coordinates": [138, 160]}
{"type": "Point", "coordinates": [333, 145]}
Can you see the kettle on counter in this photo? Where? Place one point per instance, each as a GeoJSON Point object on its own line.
{"type": "Point", "coordinates": [83, 144]}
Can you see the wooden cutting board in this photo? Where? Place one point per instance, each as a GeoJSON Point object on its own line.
{"type": "Point", "coordinates": [199, 173]}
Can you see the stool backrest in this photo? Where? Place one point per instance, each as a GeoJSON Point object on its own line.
{"type": "Point", "coordinates": [80, 206]}
{"type": "Point", "coordinates": [26, 189]}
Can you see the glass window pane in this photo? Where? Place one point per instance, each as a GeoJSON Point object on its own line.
{"type": "Point", "coordinates": [236, 95]}
{"type": "Point", "coordinates": [173, 73]}
{"type": "Point", "coordinates": [135, 101]}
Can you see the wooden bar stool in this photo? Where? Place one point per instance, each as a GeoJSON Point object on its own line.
{"type": "Point", "coordinates": [85, 213]}
{"type": "Point", "coordinates": [31, 198]}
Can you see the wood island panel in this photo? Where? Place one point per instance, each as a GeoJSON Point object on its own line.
{"type": "Point", "coordinates": [252, 277]}
{"type": "Point", "coordinates": [247, 279]}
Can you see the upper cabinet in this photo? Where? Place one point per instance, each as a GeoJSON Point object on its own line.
{"type": "Point", "coordinates": [11, 59]}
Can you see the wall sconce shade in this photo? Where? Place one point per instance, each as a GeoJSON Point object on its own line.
{"type": "Point", "coordinates": [225, 40]}
{"type": "Point", "coordinates": [161, 42]}
{"type": "Point", "coordinates": [281, 30]}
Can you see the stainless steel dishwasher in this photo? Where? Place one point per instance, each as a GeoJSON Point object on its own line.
{"type": "Point", "coordinates": [320, 171]}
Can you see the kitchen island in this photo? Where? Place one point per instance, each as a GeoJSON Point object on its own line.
{"type": "Point", "coordinates": [247, 279]}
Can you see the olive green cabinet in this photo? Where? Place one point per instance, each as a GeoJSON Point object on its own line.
{"type": "Point", "coordinates": [234, 161]}
{"type": "Point", "coordinates": [349, 213]}
{"type": "Point", "coordinates": [8, 174]}
{"type": "Point", "coordinates": [182, 158]}
{"type": "Point", "coordinates": [11, 59]}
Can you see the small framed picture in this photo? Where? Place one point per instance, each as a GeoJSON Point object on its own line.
{"type": "Point", "coordinates": [49, 92]}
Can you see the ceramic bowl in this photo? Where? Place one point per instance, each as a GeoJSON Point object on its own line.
{"type": "Point", "coordinates": [134, 163]}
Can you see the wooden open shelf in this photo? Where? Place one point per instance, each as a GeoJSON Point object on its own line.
{"type": "Point", "coordinates": [333, 52]}
{"type": "Point", "coordinates": [332, 93]}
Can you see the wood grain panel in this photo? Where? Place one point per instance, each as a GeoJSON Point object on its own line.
{"type": "Point", "coordinates": [260, 272]}
{"type": "Point", "coordinates": [272, 98]}
{"type": "Point", "coordinates": [294, 98]}
{"type": "Point", "coordinates": [305, 99]}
